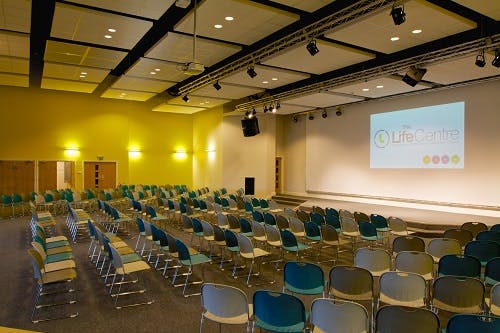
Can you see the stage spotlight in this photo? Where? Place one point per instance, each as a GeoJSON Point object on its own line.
{"type": "Point", "coordinates": [312, 47]}
{"type": "Point", "coordinates": [338, 113]}
{"type": "Point", "coordinates": [251, 72]}
{"type": "Point", "coordinates": [217, 86]}
{"type": "Point", "coordinates": [265, 108]}
{"type": "Point", "coordinates": [295, 119]}
{"type": "Point", "coordinates": [496, 61]}
{"type": "Point", "coordinates": [278, 105]}
{"type": "Point", "coordinates": [324, 114]}
{"type": "Point", "coordinates": [254, 112]}
{"type": "Point", "coordinates": [311, 116]}
{"type": "Point", "coordinates": [414, 75]}
{"type": "Point", "coordinates": [185, 98]}
{"type": "Point", "coordinates": [398, 14]}
{"type": "Point", "coordinates": [480, 62]}
{"type": "Point", "coordinates": [273, 108]}
{"type": "Point", "coordinates": [247, 114]}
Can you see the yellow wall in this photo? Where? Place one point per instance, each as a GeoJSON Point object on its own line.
{"type": "Point", "coordinates": [38, 124]}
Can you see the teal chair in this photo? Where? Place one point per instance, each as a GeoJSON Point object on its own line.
{"type": "Point", "coordinates": [482, 250]}
{"type": "Point", "coordinates": [317, 218]}
{"type": "Point", "coordinates": [492, 272]}
{"type": "Point", "coordinates": [7, 204]}
{"type": "Point", "coordinates": [489, 235]}
{"type": "Point", "coordinates": [291, 244]}
{"type": "Point", "coordinates": [368, 232]}
{"type": "Point", "coordinates": [466, 323]}
{"type": "Point", "coordinates": [459, 265]}
{"type": "Point", "coordinates": [188, 260]}
{"type": "Point", "coordinates": [303, 278]}
{"type": "Point", "coordinates": [278, 312]}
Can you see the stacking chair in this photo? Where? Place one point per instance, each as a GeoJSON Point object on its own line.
{"type": "Point", "coordinates": [495, 300]}
{"type": "Point", "coordinates": [303, 278]}
{"type": "Point", "coordinates": [334, 316]}
{"type": "Point", "coordinates": [245, 227]}
{"type": "Point", "coordinates": [259, 232]}
{"type": "Point", "coordinates": [302, 215]}
{"type": "Point", "coordinates": [350, 230]}
{"type": "Point", "coordinates": [397, 226]}
{"type": "Point", "coordinates": [188, 260]}
{"type": "Point", "coordinates": [197, 231]}
{"type": "Point", "coordinates": [141, 232]}
{"type": "Point", "coordinates": [258, 216]}
{"type": "Point", "coordinates": [377, 261]}
{"type": "Point", "coordinates": [492, 272]}
{"type": "Point", "coordinates": [402, 288]}
{"type": "Point", "coordinates": [482, 250]}
{"type": "Point", "coordinates": [269, 218]}
{"type": "Point", "coordinates": [289, 212]}
{"type": "Point", "coordinates": [249, 252]}
{"type": "Point", "coordinates": [459, 265]}
{"type": "Point", "coordinates": [273, 239]}
{"type": "Point", "coordinates": [334, 221]}
{"type": "Point", "coordinates": [291, 244]}
{"type": "Point", "coordinates": [278, 312]}
{"type": "Point", "coordinates": [329, 211]}
{"type": "Point", "coordinates": [233, 223]}
{"type": "Point", "coordinates": [233, 248]}
{"type": "Point", "coordinates": [408, 243]}
{"type": "Point", "coordinates": [282, 222]}
{"type": "Point", "coordinates": [415, 262]}
{"type": "Point", "coordinates": [457, 294]}
{"type": "Point", "coordinates": [439, 247]}
{"type": "Point", "coordinates": [368, 232]}
{"type": "Point", "coordinates": [360, 216]}
{"type": "Point", "coordinates": [495, 227]}
{"type": "Point", "coordinates": [48, 283]}
{"type": "Point", "coordinates": [224, 305]}
{"type": "Point", "coordinates": [490, 235]}
{"type": "Point", "coordinates": [463, 236]}
{"type": "Point", "coordinates": [296, 226]}
{"type": "Point", "coordinates": [395, 318]}
{"type": "Point", "coordinates": [474, 227]}
{"type": "Point", "coordinates": [330, 239]}
{"type": "Point", "coordinates": [465, 323]}
{"type": "Point", "coordinates": [317, 218]}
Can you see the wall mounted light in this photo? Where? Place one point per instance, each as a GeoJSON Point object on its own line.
{"type": "Point", "coordinates": [134, 153]}
{"type": "Point", "coordinates": [72, 152]}
{"type": "Point", "coordinates": [180, 154]}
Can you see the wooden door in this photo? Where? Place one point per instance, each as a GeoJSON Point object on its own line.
{"type": "Point", "coordinates": [100, 175]}
{"type": "Point", "coordinates": [47, 176]}
{"type": "Point", "coordinates": [277, 176]}
{"type": "Point", "coordinates": [17, 177]}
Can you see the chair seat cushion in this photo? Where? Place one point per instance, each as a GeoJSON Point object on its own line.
{"type": "Point", "coordinates": [58, 257]}
{"type": "Point", "coordinates": [59, 276]}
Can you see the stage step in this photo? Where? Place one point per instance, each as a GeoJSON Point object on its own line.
{"type": "Point", "coordinates": [289, 200]}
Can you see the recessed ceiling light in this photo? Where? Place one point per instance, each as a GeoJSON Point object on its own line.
{"type": "Point", "coordinates": [152, 73]}
{"type": "Point", "coordinates": [228, 18]}
{"type": "Point", "coordinates": [83, 73]}
{"type": "Point", "coordinates": [416, 31]}
{"type": "Point", "coordinates": [274, 79]}
{"type": "Point", "coordinates": [365, 89]}
{"type": "Point", "coordinates": [157, 69]}
{"type": "Point", "coordinates": [265, 82]}
{"type": "Point", "coordinates": [218, 26]}
{"type": "Point", "coordinates": [108, 36]}
{"type": "Point", "coordinates": [111, 30]}
{"type": "Point", "coordinates": [379, 87]}
{"type": "Point", "coordinates": [395, 38]}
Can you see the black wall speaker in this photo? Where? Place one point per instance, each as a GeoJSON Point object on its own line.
{"type": "Point", "coordinates": [250, 126]}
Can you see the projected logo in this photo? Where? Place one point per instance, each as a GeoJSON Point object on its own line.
{"type": "Point", "coordinates": [444, 159]}
{"type": "Point", "coordinates": [381, 138]}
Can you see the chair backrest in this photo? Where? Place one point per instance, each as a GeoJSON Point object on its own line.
{"type": "Point", "coordinates": [329, 235]}
{"type": "Point", "coordinates": [231, 239]}
{"type": "Point", "coordinates": [208, 230]}
{"type": "Point", "coordinates": [257, 216]}
{"type": "Point", "coordinates": [197, 226]}
{"type": "Point", "coordinates": [377, 261]}
{"type": "Point", "coordinates": [367, 230]}
{"type": "Point", "coordinates": [296, 225]}
{"type": "Point", "coordinates": [272, 234]}
{"type": "Point", "coordinates": [140, 224]}
{"type": "Point", "coordinates": [318, 210]}
{"type": "Point", "coordinates": [439, 247]}
{"type": "Point", "coordinates": [218, 234]}
{"type": "Point", "coordinates": [269, 218]}
{"type": "Point", "coordinates": [465, 323]}
{"type": "Point", "coordinates": [172, 245]}
{"type": "Point", "coordinates": [403, 288]}
{"type": "Point", "coordinates": [463, 236]}
{"type": "Point", "coordinates": [394, 318]}
{"type": "Point", "coordinates": [345, 213]}
{"type": "Point", "coordinates": [495, 299]}
{"type": "Point", "coordinates": [289, 212]}
{"type": "Point", "coordinates": [282, 222]}
{"type": "Point", "coordinates": [245, 225]}
{"type": "Point", "coordinates": [352, 283]}
{"type": "Point", "coordinates": [248, 207]}
{"type": "Point", "coordinates": [333, 220]}
{"type": "Point", "coordinates": [490, 235]}
{"type": "Point", "coordinates": [482, 250]}
{"type": "Point", "coordinates": [264, 204]}
{"type": "Point", "coordinates": [245, 244]}
{"type": "Point", "coordinates": [459, 265]}
{"type": "Point", "coordinates": [397, 225]}
{"type": "Point", "coordinates": [335, 316]}
{"type": "Point", "coordinates": [360, 216]}
{"type": "Point", "coordinates": [37, 263]}
{"type": "Point", "coordinates": [415, 262]}
{"type": "Point", "coordinates": [492, 271]}
{"type": "Point", "coordinates": [458, 294]}
{"type": "Point", "coordinates": [331, 211]}
{"type": "Point", "coordinates": [258, 230]}
{"type": "Point", "coordinates": [408, 243]}
{"type": "Point", "coordinates": [495, 227]}
{"type": "Point", "coordinates": [312, 230]}
{"type": "Point", "coordinates": [348, 224]}
{"type": "Point", "coordinates": [233, 222]}
{"type": "Point", "coordinates": [379, 221]}
{"type": "Point", "coordinates": [225, 302]}
{"type": "Point", "coordinates": [474, 227]}
{"type": "Point", "coordinates": [278, 311]}
{"type": "Point", "coordinates": [317, 218]}
{"type": "Point", "coordinates": [183, 251]}
{"type": "Point", "coordinates": [303, 278]}
{"type": "Point", "coordinates": [222, 220]}
{"type": "Point", "coordinates": [303, 216]}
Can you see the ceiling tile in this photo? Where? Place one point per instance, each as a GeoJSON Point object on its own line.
{"type": "Point", "coordinates": [16, 80]}
{"type": "Point", "coordinates": [198, 101]}
{"type": "Point", "coordinates": [177, 109]}
{"type": "Point", "coordinates": [375, 32]}
{"type": "Point", "coordinates": [66, 85]}
{"type": "Point", "coordinates": [14, 65]}
{"type": "Point", "coordinates": [179, 48]}
{"type": "Point", "coordinates": [252, 21]}
{"type": "Point", "coordinates": [74, 73]}
{"type": "Point", "coordinates": [267, 77]}
{"type": "Point", "coordinates": [145, 8]}
{"type": "Point", "coordinates": [489, 8]}
{"type": "Point", "coordinates": [86, 25]}
{"type": "Point", "coordinates": [14, 44]}
{"type": "Point", "coordinates": [15, 15]}
{"type": "Point", "coordinates": [322, 100]}
{"type": "Point", "coordinates": [127, 82]}
{"type": "Point", "coordinates": [163, 70]}
{"type": "Point", "coordinates": [228, 91]}
{"type": "Point", "coordinates": [331, 56]}
{"type": "Point", "coordinates": [459, 70]}
{"type": "Point", "coordinates": [384, 86]}
{"type": "Point", "coordinates": [309, 5]}
{"type": "Point", "coordinates": [291, 108]}
{"type": "Point", "coordinates": [82, 55]}
{"type": "Point", "coordinates": [127, 95]}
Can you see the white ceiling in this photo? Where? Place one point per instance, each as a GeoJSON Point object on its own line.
{"type": "Point", "coordinates": [228, 91]}
{"type": "Point", "coordinates": [291, 108]}
{"type": "Point", "coordinates": [489, 8]}
{"type": "Point", "coordinates": [198, 101]}
{"type": "Point", "coordinates": [162, 70]}
{"type": "Point", "coordinates": [322, 100]}
{"type": "Point", "coordinates": [16, 80]}
{"type": "Point", "coordinates": [140, 96]}
{"type": "Point", "coordinates": [145, 8]}
{"type": "Point", "coordinates": [376, 31]}
{"type": "Point", "coordinates": [309, 5]}
{"type": "Point", "coordinates": [384, 86]}
{"type": "Point", "coordinates": [127, 82]}
{"type": "Point", "coordinates": [14, 44]}
{"type": "Point", "coordinates": [267, 77]}
{"type": "Point", "coordinates": [66, 85]}
{"type": "Point", "coordinates": [14, 65]}
{"type": "Point", "coordinates": [74, 73]}
{"type": "Point", "coordinates": [246, 28]}
{"type": "Point", "coordinates": [171, 108]}
{"type": "Point", "coordinates": [15, 15]}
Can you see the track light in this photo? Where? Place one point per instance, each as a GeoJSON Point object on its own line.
{"type": "Point", "coordinates": [496, 61]}
{"type": "Point", "coordinates": [278, 105]}
{"type": "Point", "coordinates": [265, 108]}
{"type": "Point", "coordinates": [398, 14]}
{"type": "Point", "coordinates": [185, 98]}
{"type": "Point", "coordinates": [251, 72]}
{"type": "Point", "coordinates": [312, 47]}
{"type": "Point", "coordinates": [217, 86]}
{"type": "Point", "coordinates": [274, 109]}
{"type": "Point", "coordinates": [338, 113]}
{"type": "Point", "coordinates": [311, 116]}
{"type": "Point", "coordinates": [295, 119]}
{"type": "Point", "coordinates": [250, 114]}
{"type": "Point", "coordinates": [414, 75]}
{"type": "Point", "coordinates": [254, 112]}
{"type": "Point", "coordinates": [324, 114]}
{"type": "Point", "coordinates": [480, 62]}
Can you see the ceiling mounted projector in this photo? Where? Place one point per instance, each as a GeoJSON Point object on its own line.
{"type": "Point", "coordinates": [193, 68]}
{"type": "Point", "coordinates": [182, 3]}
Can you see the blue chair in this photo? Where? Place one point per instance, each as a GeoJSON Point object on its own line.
{"type": "Point", "coordinates": [258, 216]}
{"type": "Point", "coordinates": [334, 221]}
{"type": "Point", "coordinates": [495, 227]}
{"type": "Point", "coordinates": [492, 272]}
{"type": "Point", "coordinates": [317, 218]}
{"type": "Point", "coordinates": [331, 212]}
{"type": "Point", "coordinates": [246, 227]}
{"type": "Point", "coordinates": [188, 260]}
{"type": "Point", "coordinates": [264, 205]}
{"type": "Point", "coordinates": [458, 265]}
{"type": "Point", "coordinates": [233, 247]}
{"type": "Point", "coordinates": [255, 203]}
{"type": "Point", "coordinates": [291, 244]}
{"type": "Point", "coordinates": [380, 222]}
{"type": "Point", "coordinates": [466, 323]}
{"type": "Point", "coordinates": [278, 312]}
{"type": "Point", "coordinates": [269, 218]}
{"type": "Point", "coordinates": [313, 232]}
{"type": "Point", "coordinates": [303, 278]}
{"type": "Point", "coordinates": [490, 235]}
{"type": "Point", "coordinates": [197, 230]}
{"type": "Point", "coordinates": [368, 232]}
{"type": "Point", "coordinates": [482, 250]}
{"type": "Point", "coordinates": [248, 208]}
{"type": "Point", "coordinates": [141, 234]}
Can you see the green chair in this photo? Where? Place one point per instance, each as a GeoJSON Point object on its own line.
{"type": "Point", "coordinates": [466, 323]}
{"type": "Point", "coordinates": [278, 312]}
{"type": "Point", "coordinates": [189, 260]}
{"type": "Point", "coordinates": [303, 278]}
